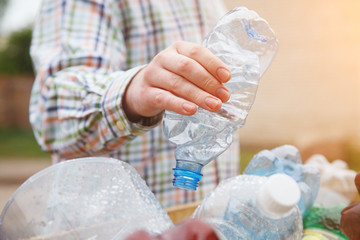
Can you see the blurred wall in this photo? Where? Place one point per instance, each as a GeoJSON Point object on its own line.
{"type": "Point", "coordinates": [14, 101]}
{"type": "Point", "coordinates": [311, 91]}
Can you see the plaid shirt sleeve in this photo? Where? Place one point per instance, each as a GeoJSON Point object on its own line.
{"type": "Point", "coordinates": [79, 54]}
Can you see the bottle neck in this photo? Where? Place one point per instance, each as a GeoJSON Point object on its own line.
{"type": "Point", "coordinates": [187, 174]}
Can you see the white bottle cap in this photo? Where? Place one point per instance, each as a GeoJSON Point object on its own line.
{"type": "Point", "coordinates": [278, 196]}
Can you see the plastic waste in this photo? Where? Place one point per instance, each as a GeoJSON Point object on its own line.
{"type": "Point", "coordinates": [350, 216]}
{"type": "Point", "coordinates": [246, 44]}
{"type": "Point", "coordinates": [286, 159]}
{"type": "Point", "coordinates": [253, 207]}
{"type": "Point", "coordinates": [88, 198]}
{"type": "Point", "coordinates": [324, 222]}
{"type": "Point", "coordinates": [336, 181]}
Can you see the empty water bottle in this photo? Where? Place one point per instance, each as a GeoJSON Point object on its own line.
{"type": "Point", "coordinates": [89, 198]}
{"type": "Point", "coordinates": [286, 159]}
{"type": "Point", "coordinates": [246, 44]}
{"type": "Point", "coordinates": [254, 207]}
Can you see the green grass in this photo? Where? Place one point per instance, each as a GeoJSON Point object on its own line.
{"type": "Point", "coordinates": [19, 143]}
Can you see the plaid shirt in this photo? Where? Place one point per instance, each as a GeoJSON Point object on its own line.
{"type": "Point", "coordinates": [85, 53]}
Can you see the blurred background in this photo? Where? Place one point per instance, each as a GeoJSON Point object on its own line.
{"type": "Point", "coordinates": [309, 97]}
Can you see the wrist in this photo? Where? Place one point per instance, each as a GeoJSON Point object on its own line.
{"type": "Point", "coordinates": [130, 115]}
{"type": "Point", "coordinates": [128, 101]}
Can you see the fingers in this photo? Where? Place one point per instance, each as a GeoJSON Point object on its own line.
{"type": "Point", "coordinates": [179, 79]}
{"type": "Point", "coordinates": [166, 100]}
{"type": "Point", "coordinates": [205, 58]}
{"type": "Point", "coordinates": [191, 71]}
{"type": "Point", "coordinates": [180, 87]}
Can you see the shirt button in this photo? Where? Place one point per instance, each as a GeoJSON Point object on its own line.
{"type": "Point", "coordinates": [120, 125]}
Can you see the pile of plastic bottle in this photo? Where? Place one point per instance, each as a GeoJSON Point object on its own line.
{"type": "Point", "coordinates": [249, 206]}
{"type": "Point", "coordinates": [105, 198]}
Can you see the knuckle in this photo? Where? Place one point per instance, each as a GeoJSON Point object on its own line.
{"type": "Point", "coordinates": [183, 65]}
{"type": "Point", "coordinates": [159, 99]}
{"type": "Point", "coordinates": [196, 98]}
{"type": "Point", "coordinates": [149, 71]}
{"type": "Point", "coordinates": [175, 82]}
{"type": "Point", "coordinates": [194, 50]}
{"type": "Point", "coordinates": [159, 57]}
{"type": "Point", "coordinates": [212, 62]}
{"type": "Point", "coordinates": [209, 83]}
{"type": "Point", "coordinates": [177, 44]}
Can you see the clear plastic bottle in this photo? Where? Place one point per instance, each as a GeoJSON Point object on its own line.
{"type": "Point", "coordinates": [246, 44]}
{"type": "Point", "coordinates": [286, 159]}
{"type": "Point", "coordinates": [88, 198]}
{"type": "Point", "coordinates": [254, 207]}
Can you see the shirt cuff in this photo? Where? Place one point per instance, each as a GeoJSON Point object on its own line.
{"type": "Point", "coordinates": [114, 115]}
{"type": "Point", "coordinates": [147, 123]}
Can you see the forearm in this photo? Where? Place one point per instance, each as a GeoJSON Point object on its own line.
{"type": "Point", "coordinates": [77, 112]}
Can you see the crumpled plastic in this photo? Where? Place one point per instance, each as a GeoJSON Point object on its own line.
{"type": "Point", "coordinates": [286, 159]}
{"type": "Point", "coordinates": [87, 198]}
{"type": "Point", "coordinates": [336, 181]}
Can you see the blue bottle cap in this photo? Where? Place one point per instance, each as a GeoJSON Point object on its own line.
{"type": "Point", "coordinates": [186, 179]}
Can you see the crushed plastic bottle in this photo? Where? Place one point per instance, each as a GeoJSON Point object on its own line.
{"type": "Point", "coordinates": [286, 159]}
{"type": "Point", "coordinates": [88, 198]}
{"type": "Point", "coordinates": [246, 44]}
{"type": "Point", "coordinates": [325, 222]}
{"type": "Point", "coordinates": [336, 181]}
{"type": "Point", "coordinates": [254, 207]}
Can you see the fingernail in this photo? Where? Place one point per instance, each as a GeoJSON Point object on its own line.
{"type": "Point", "coordinates": [223, 74]}
{"type": "Point", "coordinates": [223, 94]}
{"type": "Point", "coordinates": [211, 102]}
{"type": "Point", "coordinates": [188, 107]}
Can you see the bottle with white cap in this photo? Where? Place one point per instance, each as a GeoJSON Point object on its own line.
{"type": "Point", "coordinates": [254, 207]}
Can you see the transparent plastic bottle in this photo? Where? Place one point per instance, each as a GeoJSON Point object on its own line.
{"type": "Point", "coordinates": [246, 44]}
{"type": "Point", "coordinates": [88, 198]}
{"type": "Point", "coordinates": [254, 207]}
{"type": "Point", "coordinates": [286, 159]}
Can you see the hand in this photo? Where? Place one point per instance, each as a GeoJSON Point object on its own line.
{"type": "Point", "coordinates": [350, 216]}
{"type": "Point", "coordinates": [177, 79]}
{"type": "Point", "coordinates": [191, 229]}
